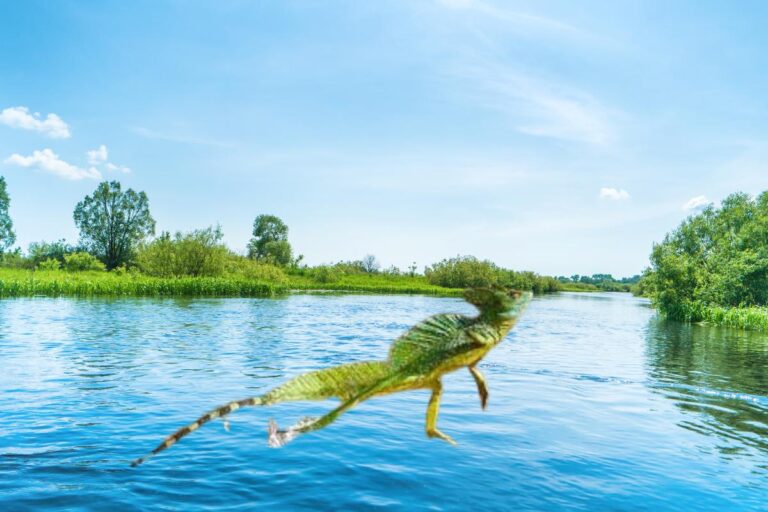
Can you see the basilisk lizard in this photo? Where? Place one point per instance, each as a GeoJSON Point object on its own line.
{"type": "Point", "coordinates": [417, 360]}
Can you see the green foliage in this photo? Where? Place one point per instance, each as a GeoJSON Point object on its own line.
{"type": "Point", "coordinates": [238, 266]}
{"type": "Point", "coordinates": [197, 253]}
{"type": "Point", "coordinates": [463, 272]}
{"type": "Point", "coordinates": [50, 264]}
{"type": "Point", "coordinates": [41, 251]}
{"type": "Point", "coordinates": [716, 259]}
{"type": "Point", "coordinates": [270, 241]}
{"type": "Point", "coordinates": [7, 235]}
{"type": "Point", "coordinates": [113, 223]}
{"type": "Point", "coordinates": [599, 282]}
{"type": "Point", "coordinates": [469, 272]}
{"type": "Point", "coordinates": [81, 262]}
{"type": "Point", "coordinates": [277, 252]}
{"type": "Point", "coordinates": [14, 259]}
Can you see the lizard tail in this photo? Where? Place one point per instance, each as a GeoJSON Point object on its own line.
{"type": "Point", "coordinates": [219, 412]}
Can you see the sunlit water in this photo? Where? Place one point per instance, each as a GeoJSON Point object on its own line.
{"type": "Point", "coordinates": [595, 404]}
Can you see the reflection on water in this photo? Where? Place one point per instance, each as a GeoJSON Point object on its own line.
{"type": "Point", "coordinates": [718, 375]}
{"type": "Point", "coordinates": [595, 404]}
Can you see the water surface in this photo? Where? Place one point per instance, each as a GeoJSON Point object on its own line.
{"type": "Point", "coordinates": [595, 403]}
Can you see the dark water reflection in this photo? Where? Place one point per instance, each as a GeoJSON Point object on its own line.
{"type": "Point", "coordinates": [719, 377]}
{"type": "Point", "coordinates": [595, 404]}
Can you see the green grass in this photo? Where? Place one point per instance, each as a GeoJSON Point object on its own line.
{"type": "Point", "coordinates": [25, 283]}
{"type": "Point", "coordinates": [374, 283]}
{"type": "Point", "coordinates": [753, 318]}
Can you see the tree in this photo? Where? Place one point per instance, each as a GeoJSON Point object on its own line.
{"type": "Point", "coordinates": [112, 222]}
{"type": "Point", "coordinates": [270, 241]}
{"type": "Point", "coordinates": [370, 264]}
{"type": "Point", "coordinates": [7, 236]}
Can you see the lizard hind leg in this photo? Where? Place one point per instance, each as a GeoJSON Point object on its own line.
{"type": "Point", "coordinates": [482, 387]}
{"type": "Point", "coordinates": [433, 410]}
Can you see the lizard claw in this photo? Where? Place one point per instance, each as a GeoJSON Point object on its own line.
{"type": "Point", "coordinates": [279, 438]}
{"type": "Point", "coordinates": [445, 437]}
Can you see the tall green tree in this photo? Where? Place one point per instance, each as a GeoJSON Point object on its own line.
{"type": "Point", "coordinates": [270, 241]}
{"type": "Point", "coordinates": [112, 223]}
{"type": "Point", "coordinates": [718, 257]}
{"type": "Point", "coordinates": [7, 236]}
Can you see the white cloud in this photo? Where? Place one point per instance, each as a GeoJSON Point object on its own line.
{"type": "Point", "coordinates": [614, 194]}
{"type": "Point", "coordinates": [696, 203]}
{"type": "Point", "coordinates": [117, 168]}
{"type": "Point", "coordinates": [19, 117]}
{"type": "Point", "coordinates": [98, 156]}
{"type": "Point", "coordinates": [48, 161]}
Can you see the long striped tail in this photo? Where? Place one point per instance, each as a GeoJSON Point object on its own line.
{"type": "Point", "coordinates": [219, 412]}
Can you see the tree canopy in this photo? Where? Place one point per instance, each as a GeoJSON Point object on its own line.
{"type": "Point", "coordinates": [718, 257]}
{"type": "Point", "coordinates": [7, 236]}
{"type": "Point", "coordinates": [270, 241]}
{"type": "Point", "coordinates": [112, 223]}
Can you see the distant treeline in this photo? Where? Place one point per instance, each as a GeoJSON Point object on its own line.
{"type": "Point", "coordinates": [117, 238]}
{"type": "Point", "coordinates": [714, 266]}
{"type": "Point", "coordinates": [601, 282]}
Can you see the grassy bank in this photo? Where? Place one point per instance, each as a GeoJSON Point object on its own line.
{"type": "Point", "coordinates": [25, 283]}
{"type": "Point", "coordinates": [754, 318]}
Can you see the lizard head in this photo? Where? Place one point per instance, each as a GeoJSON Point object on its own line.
{"type": "Point", "coordinates": [498, 300]}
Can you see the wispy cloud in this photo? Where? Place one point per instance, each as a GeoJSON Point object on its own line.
{"type": "Point", "coordinates": [19, 117]}
{"type": "Point", "coordinates": [48, 161]}
{"type": "Point", "coordinates": [696, 203]}
{"type": "Point", "coordinates": [541, 108]}
{"type": "Point", "coordinates": [180, 138]}
{"type": "Point", "coordinates": [614, 194]}
{"type": "Point", "coordinates": [515, 18]}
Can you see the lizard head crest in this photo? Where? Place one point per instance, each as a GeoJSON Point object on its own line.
{"type": "Point", "coordinates": [497, 300]}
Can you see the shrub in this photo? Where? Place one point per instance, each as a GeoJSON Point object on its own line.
{"type": "Point", "coordinates": [49, 264]}
{"type": "Point", "coordinates": [463, 272]}
{"type": "Point", "coordinates": [82, 261]}
{"type": "Point", "coordinates": [197, 253]}
{"type": "Point", "coordinates": [254, 270]}
{"type": "Point", "coordinates": [326, 274]}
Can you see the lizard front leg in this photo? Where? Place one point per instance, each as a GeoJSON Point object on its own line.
{"type": "Point", "coordinates": [482, 388]}
{"type": "Point", "coordinates": [432, 411]}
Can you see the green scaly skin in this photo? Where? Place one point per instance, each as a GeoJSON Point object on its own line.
{"type": "Point", "coordinates": [417, 360]}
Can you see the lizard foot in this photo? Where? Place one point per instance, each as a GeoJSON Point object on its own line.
{"type": "Point", "coordinates": [445, 437]}
{"type": "Point", "coordinates": [279, 438]}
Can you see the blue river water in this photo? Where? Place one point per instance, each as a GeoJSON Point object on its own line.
{"type": "Point", "coordinates": [595, 404]}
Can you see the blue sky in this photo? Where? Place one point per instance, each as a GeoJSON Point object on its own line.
{"type": "Point", "coordinates": [560, 137]}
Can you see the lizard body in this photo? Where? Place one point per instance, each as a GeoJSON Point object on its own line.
{"type": "Point", "coordinates": [417, 360]}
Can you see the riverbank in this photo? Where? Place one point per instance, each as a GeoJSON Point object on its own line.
{"type": "Point", "coordinates": [753, 318]}
{"type": "Point", "coordinates": [25, 283]}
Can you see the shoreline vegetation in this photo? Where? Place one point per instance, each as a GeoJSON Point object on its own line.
{"type": "Point", "coordinates": [118, 255]}
{"type": "Point", "coordinates": [713, 267]}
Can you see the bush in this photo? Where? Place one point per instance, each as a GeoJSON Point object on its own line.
{"type": "Point", "coordinates": [255, 270]}
{"type": "Point", "coordinates": [82, 261]}
{"type": "Point", "coordinates": [197, 253]}
{"type": "Point", "coordinates": [41, 251]}
{"type": "Point", "coordinates": [325, 274]}
{"type": "Point", "coordinates": [49, 264]}
{"type": "Point", "coordinates": [463, 272]}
